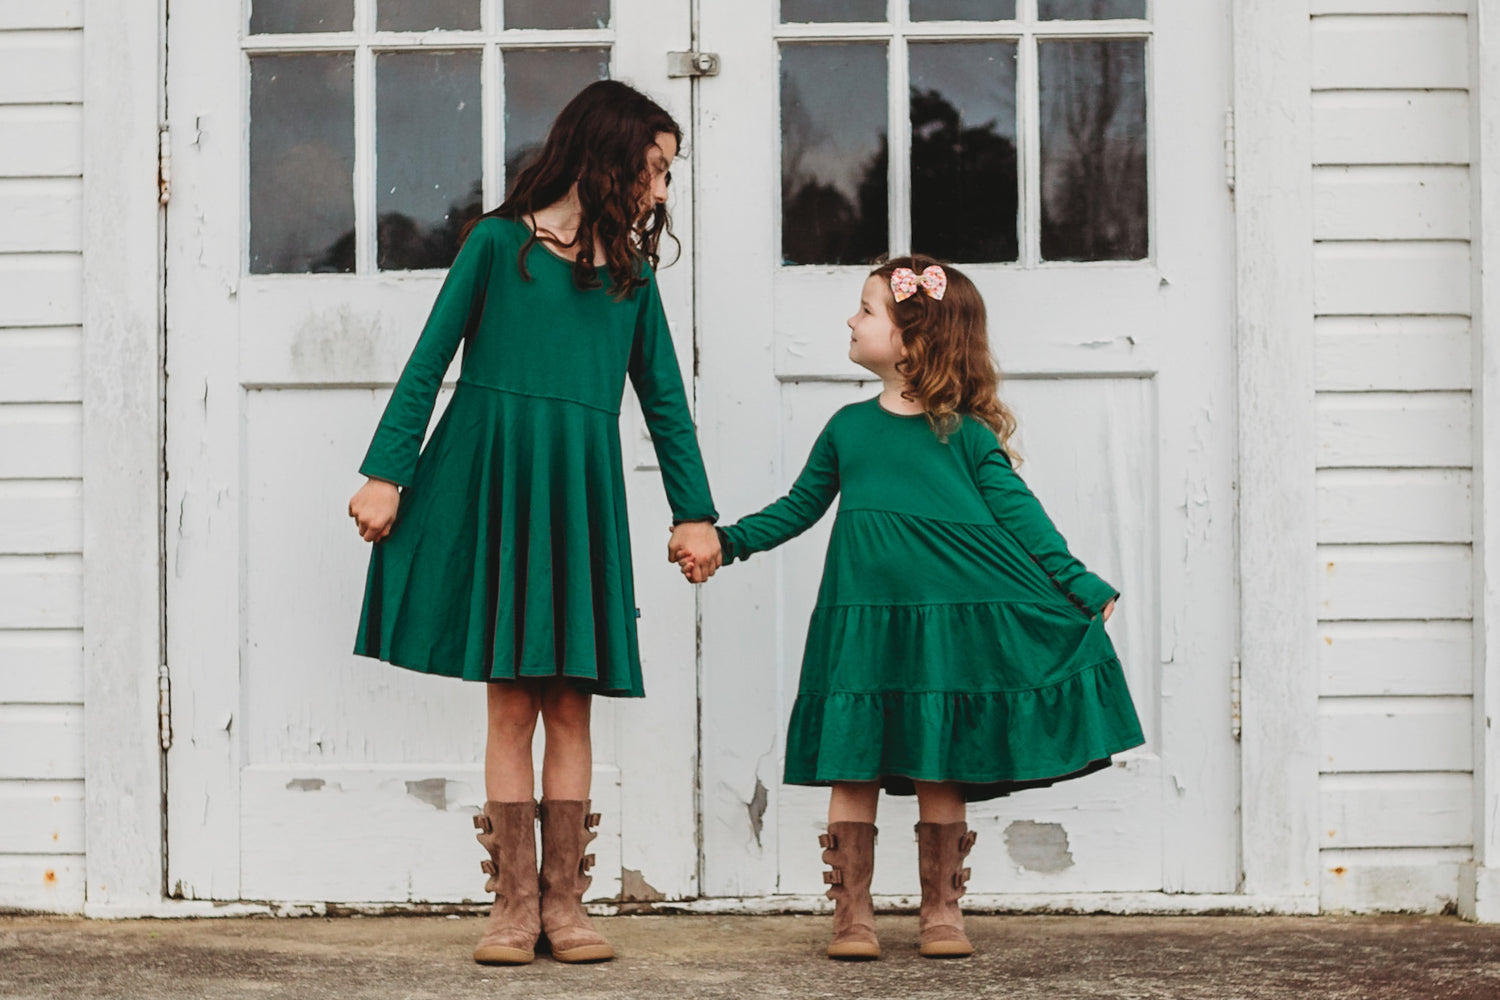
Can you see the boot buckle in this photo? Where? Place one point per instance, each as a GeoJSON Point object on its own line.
{"type": "Point", "coordinates": [488, 867]}
{"type": "Point", "coordinates": [966, 842]}
{"type": "Point", "coordinates": [834, 876]}
{"type": "Point", "coordinates": [482, 823]}
{"type": "Point", "coordinates": [828, 841]}
{"type": "Point", "coordinates": [585, 863]}
{"type": "Point", "coordinates": [961, 878]}
{"type": "Point", "coordinates": [591, 820]}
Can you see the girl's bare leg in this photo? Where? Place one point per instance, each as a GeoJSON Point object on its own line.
{"type": "Point", "coordinates": [853, 801]}
{"type": "Point", "coordinates": [940, 802]}
{"type": "Point", "coordinates": [568, 761]}
{"type": "Point", "coordinates": [513, 708]}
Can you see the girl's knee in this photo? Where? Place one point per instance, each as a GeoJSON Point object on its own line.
{"type": "Point", "coordinates": [514, 704]}
{"type": "Point", "coordinates": [565, 706]}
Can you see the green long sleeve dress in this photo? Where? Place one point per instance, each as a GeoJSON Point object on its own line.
{"type": "Point", "coordinates": [510, 556]}
{"type": "Point", "coordinates": [955, 638]}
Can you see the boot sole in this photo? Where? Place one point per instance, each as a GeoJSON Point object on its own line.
{"type": "Point", "coordinates": [854, 951]}
{"type": "Point", "coordinates": [946, 949]}
{"type": "Point", "coordinates": [585, 953]}
{"type": "Point", "coordinates": [501, 955]}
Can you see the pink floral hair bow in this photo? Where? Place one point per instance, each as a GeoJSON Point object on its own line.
{"type": "Point", "coordinates": [905, 282]}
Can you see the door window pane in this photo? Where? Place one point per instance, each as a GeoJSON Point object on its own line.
{"type": "Point", "coordinates": [428, 166]}
{"type": "Point", "coordinates": [964, 180]}
{"type": "Point", "coordinates": [538, 82]}
{"type": "Point", "coordinates": [810, 11]}
{"type": "Point", "coordinates": [963, 10]}
{"type": "Point", "coordinates": [1093, 150]}
{"type": "Point", "coordinates": [557, 14]}
{"type": "Point", "coordinates": [269, 17]}
{"type": "Point", "coordinates": [424, 15]}
{"type": "Point", "coordinates": [1089, 10]}
{"type": "Point", "coordinates": [834, 153]}
{"type": "Point", "coordinates": [302, 163]}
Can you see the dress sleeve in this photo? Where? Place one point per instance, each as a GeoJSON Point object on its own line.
{"type": "Point", "coordinates": [658, 386]}
{"type": "Point", "coordinates": [398, 438]}
{"type": "Point", "coordinates": [794, 513]}
{"type": "Point", "coordinates": [1018, 511]}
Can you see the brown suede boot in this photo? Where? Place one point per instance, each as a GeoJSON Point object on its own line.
{"type": "Point", "coordinates": [849, 850]}
{"type": "Point", "coordinates": [941, 849]}
{"type": "Point", "coordinates": [508, 831]}
{"type": "Point", "coordinates": [567, 827]}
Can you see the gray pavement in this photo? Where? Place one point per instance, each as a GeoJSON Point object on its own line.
{"type": "Point", "coordinates": [1019, 957]}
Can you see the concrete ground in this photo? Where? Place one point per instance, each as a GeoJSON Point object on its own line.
{"type": "Point", "coordinates": [1018, 958]}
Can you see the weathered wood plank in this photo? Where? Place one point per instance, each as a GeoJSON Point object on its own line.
{"type": "Point", "coordinates": [1397, 810]}
{"type": "Point", "coordinates": [41, 67]}
{"type": "Point", "coordinates": [41, 518]}
{"type": "Point", "coordinates": [1319, 7]}
{"type": "Point", "coordinates": [41, 440]}
{"type": "Point", "coordinates": [41, 365]}
{"type": "Point", "coordinates": [41, 817]}
{"type": "Point", "coordinates": [1366, 279]}
{"type": "Point", "coordinates": [30, 15]}
{"type": "Point", "coordinates": [1388, 430]}
{"type": "Point", "coordinates": [1390, 53]}
{"type": "Point", "coordinates": [1391, 127]}
{"type": "Point", "coordinates": [1396, 658]}
{"type": "Point", "coordinates": [41, 215]}
{"type": "Point", "coordinates": [1407, 505]}
{"type": "Point", "coordinates": [1396, 734]}
{"type": "Point", "coordinates": [41, 742]}
{"type": "Point", "coordinates": [41, 140]}
{"type": "Point", "coordinates": [41, 289]}
{"type": "Point", "coordinates": [1399, 582]}
{"type": "Point", "coordinates": [41, 882]}
{"type": "Point", "coordinates": [1391, 203]}
{"type": "Point", "coordinates": [41, 666]}
{"type": "Point", "coordinates": [1403, 353]}
{"type": "Point", "coordinates": [1415, 880]}
{"type": "Point", "coordinates": [41, 592]}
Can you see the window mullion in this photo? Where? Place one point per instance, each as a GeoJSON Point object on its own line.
{"type": "Point", "coordinates": [364, 160]}
{"type": "Point", "coordinates": [492, 91]}
{"type": "Point", "coordinates": [898, 143]}
{"type": "Point", "coordinates": [1028, 108]}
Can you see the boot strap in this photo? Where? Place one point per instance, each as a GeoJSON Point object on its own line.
{"type": "Point", "coordinates": [961, 878]}
{"type": "Point", "coordinates": [488, 867]}
{"type": "Point", "coordinates": [828, 841]}
{"type": "Point", "coordinates": [591, 820]}
{"type": "Point", "coordinates": [585, 863]}
{"type": "Point", "coordinates": [966, 842]}
{"type": "Point", "coordinates": [483, 824]}
{"type": "Point", "coordinates": [833, 876]}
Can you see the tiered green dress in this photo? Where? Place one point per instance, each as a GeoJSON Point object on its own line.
{"type": "Point", "coordinates": [510, 556]}
{"type": "Point", "coordinates": [954, 638]}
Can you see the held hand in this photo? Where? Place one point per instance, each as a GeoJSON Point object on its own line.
{"type": "Point", "coordinates": [374, 509]}
{"type": "Point", "coordinates": [1109, 608]}
{"type": "Point", "coordinates": [694, 546]}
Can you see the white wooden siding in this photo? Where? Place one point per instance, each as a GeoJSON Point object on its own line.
{"type": "Point", "coordinates": [41, 505]}
{"type": "Point", "coordinates": [1392, 298]}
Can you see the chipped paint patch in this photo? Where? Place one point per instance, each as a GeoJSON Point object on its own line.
{"type": "Point", "coordinates": [757, 806]}
{"type": "Point", "coordinates": [433, 791]}
{"type": "Point", "coordinates": [635, 889]}
{"type": "Point", "coordinates": [1038, 847]}
{"type": "Point", "coordinates": [305, 785]}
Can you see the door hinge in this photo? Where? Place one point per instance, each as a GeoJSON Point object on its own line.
{"type": "Point", "coordinates": [1229, 165]}
{"type": "Point", "coordinates": [692, 64]}
{"type": "Point", "coordinates": [164, 706]}
{"type": "Point", "coordinates": [1234, 699]}
{"type": "Point", "coordinates": [164, 164]}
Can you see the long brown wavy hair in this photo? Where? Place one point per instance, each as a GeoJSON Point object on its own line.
{"type": "Point", "coordinates": [948, 366]}
{"type": "Point", "coordinates": [600, 140]}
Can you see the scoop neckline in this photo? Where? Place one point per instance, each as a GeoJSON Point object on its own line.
{"type": "Point", "coordinates": [890, 413]}
{"type": "Point", "coordinates": [548, 250]}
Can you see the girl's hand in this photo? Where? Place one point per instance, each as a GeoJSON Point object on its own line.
{"type": "Point", "coordinates": [1109, 608]}
{"type": "Point", "coordinates": [694, 546]}
{"type": "Point", "coordinates": [374, 509]}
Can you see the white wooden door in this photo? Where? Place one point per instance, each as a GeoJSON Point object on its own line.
{"type": "Point", "coordinates": [1069, 153]}
{"type": "Point", "coordinates": [323, 155]}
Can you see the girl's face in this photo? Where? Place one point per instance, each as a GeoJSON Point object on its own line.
{"type": "Point", "coordinates": [658, 172]}
{"type": "Point", "coordinates": [875, 342]}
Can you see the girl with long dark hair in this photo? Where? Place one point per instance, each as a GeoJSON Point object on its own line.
{"type": "Point", "coordinates": [502, 552]}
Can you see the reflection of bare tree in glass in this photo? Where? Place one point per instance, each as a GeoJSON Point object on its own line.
{"type": "Point", "coordinates": [1094, 160]}
{"type": "Point", "coordinates": [821, 224]}
{"type": "Point", "coordinates": [404, 244]}
{"type": "Point", "coordinates": [965, 195]}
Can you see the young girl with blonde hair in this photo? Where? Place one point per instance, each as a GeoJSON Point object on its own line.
{"type": "Point", "coordinates": [957, 649]}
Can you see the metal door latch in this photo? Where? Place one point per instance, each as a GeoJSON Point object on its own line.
{"type": "Point", "coordinates": [692, 64]}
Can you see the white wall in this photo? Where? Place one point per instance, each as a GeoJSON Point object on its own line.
{"type": "Point", "coordinates": [1392, 217]}
{"type": "Point", "coordinates": [41, 416]}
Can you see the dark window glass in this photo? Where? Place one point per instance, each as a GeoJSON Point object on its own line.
{"type": "Point", "coordinates": [557, 14]}
{"type": "Point", "coordinates": [538, 82]}
{"type": "Point", "coordinates": [427, 155]}
{"type": "Point", "coordinates": [963, 10]}
{"type": "Point", "coordinates": [1089, 10]}
{"type": "Point", "coordinates": [302, 163]}
{"type": "Point", "coordinates": [1093, 149]}
{"type": "Point", "coordinates": [965, 187]}
{"type": "Point", "coordinates": [825, 11]}
{"type": "Point", "coordinates": [271, 17]}
{"type": "Point", "coordinates": [424, 15]}
{"type": "Point", "coordinates": [834, 153]}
